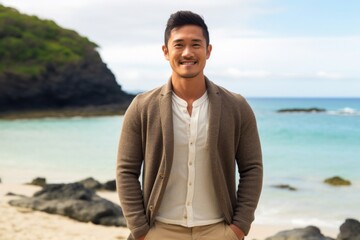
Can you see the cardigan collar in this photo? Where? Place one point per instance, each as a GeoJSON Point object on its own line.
{"type": "Point", "coordinates": [165, 103]}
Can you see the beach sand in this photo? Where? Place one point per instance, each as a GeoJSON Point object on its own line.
{"type": "Point", "coordinates": [25, 224]}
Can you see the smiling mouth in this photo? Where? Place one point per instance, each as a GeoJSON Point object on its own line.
{"type": "Point", "coordinates": [188, 63]}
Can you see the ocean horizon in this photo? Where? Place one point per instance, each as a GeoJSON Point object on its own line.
{"type": "Point", "coordinates": [299, 149]}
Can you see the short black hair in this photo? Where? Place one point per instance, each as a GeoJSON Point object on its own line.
{"type": "Point", "coordinates": [182, 18]}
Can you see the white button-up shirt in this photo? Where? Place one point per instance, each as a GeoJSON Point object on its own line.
{"type": "Point", "coordinates": [190, 199]}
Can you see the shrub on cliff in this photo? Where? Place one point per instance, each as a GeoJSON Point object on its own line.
{"type": "Point", "coordinates": [28, 44]}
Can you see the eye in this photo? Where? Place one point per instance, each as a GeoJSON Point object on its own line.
{"type": "Point", "coordinates": [178, 45]}
{"type": "Point", "coordinates": [196, 45]}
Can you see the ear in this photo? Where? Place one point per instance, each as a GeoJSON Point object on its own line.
{"type": "Point", "coordinates": [166, 52]}
{"type": "Point", "coordinates": [208, 51]}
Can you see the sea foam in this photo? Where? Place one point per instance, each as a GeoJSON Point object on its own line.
{"type": "Point", "coordinates": [345, 111]}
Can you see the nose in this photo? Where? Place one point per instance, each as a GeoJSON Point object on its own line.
{"type": "Point", "coordinates": [187, 52]}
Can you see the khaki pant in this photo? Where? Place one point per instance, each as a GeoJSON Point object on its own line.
{"type": "Point", "coordinates": [218, 231]}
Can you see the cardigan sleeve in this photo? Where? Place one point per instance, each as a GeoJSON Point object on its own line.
{"type": "Point", "coordinates": [128, 169]}
{"type": "Point", "coordinates": [249, 161]}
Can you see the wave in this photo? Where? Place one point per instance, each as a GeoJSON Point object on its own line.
{"type": "Point", "coordinates": [345, 111]}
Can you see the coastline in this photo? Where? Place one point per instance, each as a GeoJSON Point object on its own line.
{"type": "Point", "coordinates": [88, 111]}
{"type": "Point", "coordinates": [15, 223]}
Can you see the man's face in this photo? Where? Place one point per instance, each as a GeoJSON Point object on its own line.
{"type": "Point", "coordinates": [187, 51]}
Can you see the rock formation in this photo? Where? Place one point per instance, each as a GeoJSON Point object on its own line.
{"type": "Point", "coordinates": [75, 201]}
{"type": "Point", "coordinates": [349, 230]}
{"type": "Point", "coordinates": [306, 110]}
{"type": "Point", "coordinates": [307, 233]}
{"type": "Point", "coordinates": [45, 67]}
{"type": "Point", "coordinates": [337, 181]}
{"type": "Point", "coordinates": [285, 186]}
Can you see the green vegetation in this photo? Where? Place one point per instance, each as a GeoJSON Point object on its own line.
{"type": "Point", "coordinates": [29, 44]}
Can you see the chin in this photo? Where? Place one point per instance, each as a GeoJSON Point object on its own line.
{"type": "Point", "coordinates": [189, 75]}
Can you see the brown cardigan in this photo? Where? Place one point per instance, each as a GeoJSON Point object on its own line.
{"type": "Point", "coordinates": [147, 137]}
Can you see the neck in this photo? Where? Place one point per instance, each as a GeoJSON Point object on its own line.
{"type": "Point", "coordinates": [189, 89]}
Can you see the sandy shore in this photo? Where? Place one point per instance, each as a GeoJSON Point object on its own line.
{"type": "Point", "coordinates": [25, 224]}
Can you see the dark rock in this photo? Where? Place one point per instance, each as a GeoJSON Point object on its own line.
{"type": "Point", "coordinates": [15, 194]}
{"type": "Point", "coordinates": [39, 181]}
{"type": "Point", "coordinates": [308, 233]}
{"type": "Point", "coordinates": [285, 186]}
{"type": "Point", "coordinates": [306, 110]}
{"type": "Point", "coordinates": [75, 201]}
{"type": "Point", "coordinates": [337, 181]}
{"type": "Point", "coordinates": [87, 83]}
{"type": "Point", "coordinates": [349, 230]}
{"type": "Point", "coordinates": [91, 183]}
{"type": "Point", "coordinates": [110, 185]}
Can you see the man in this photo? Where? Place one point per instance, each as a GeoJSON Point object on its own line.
{"type": "Point", "coordinates": [185, 139]}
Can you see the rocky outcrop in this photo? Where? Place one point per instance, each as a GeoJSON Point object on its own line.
{"type": "Point", "coordinates": [94, 184]}
{"type": "Point", "coordinates": [75, 201]}
{"type": "Point", "coordinates": [39, 181]}
{"type": "Point", "coordinates": [110, 185]}
{"type": "Point", "coordinates": [307, 233]}
{"type": "Point", "coordinates": [45, 67]}
{"type": "Point", "coordinates": [91, 183]}
{"type": "Point", "coordinates": [15, 194]}
{"type": "Point", "coordinates": [337, 181]}
{"type": "Point", "coordinates": [305, 110]}
{"type": "Point", "coordinates": [349, 230]}
{"type": "Point", "coordinates": [86, 83]}
{"type": "Point", "coordinates": [285, 186]}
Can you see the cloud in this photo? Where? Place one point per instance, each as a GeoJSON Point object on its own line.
{"type": "Point", "coordinates": [233, 73]}
{"type": "Point", "coordinates": [306, 56]}
{"type": "Point", "coordinates": [130, 35]}
{"type": "Point", "coordinates": [237, 73]}
{"type": "Point", "coordinates": [111, 21]}
{"type": "Point", "coordinates": [328, 75]}
{"type": "Point", "coordinates": [245, 59]}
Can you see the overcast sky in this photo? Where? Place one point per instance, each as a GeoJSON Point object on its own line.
{"type": "Point", "coordinates": [304, 48]}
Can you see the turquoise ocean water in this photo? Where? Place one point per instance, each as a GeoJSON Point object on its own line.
{"type": "Point", "coordinates": [300, 149]}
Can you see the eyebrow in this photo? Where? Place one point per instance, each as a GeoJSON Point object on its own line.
{"type": "Point", "coordinates": [182, 40]}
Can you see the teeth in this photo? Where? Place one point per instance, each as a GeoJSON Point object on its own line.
{"type": "Point", "coordinates": [188, 63]}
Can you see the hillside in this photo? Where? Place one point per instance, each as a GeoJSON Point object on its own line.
{"type": "Point", "coordinates": [46, 68]}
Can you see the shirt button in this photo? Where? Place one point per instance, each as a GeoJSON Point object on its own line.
{"type": "Point", "coordinates": [190, 183]}
{"type": "Point", "coordinates": [190, 163]}
{"type": "Point", "coordinates": [185, 217]}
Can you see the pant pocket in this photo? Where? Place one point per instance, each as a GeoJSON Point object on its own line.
{"type": "Point", "coordinates": [230, 234]}
{"type": "Point", "coordinates": [148, 235]}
